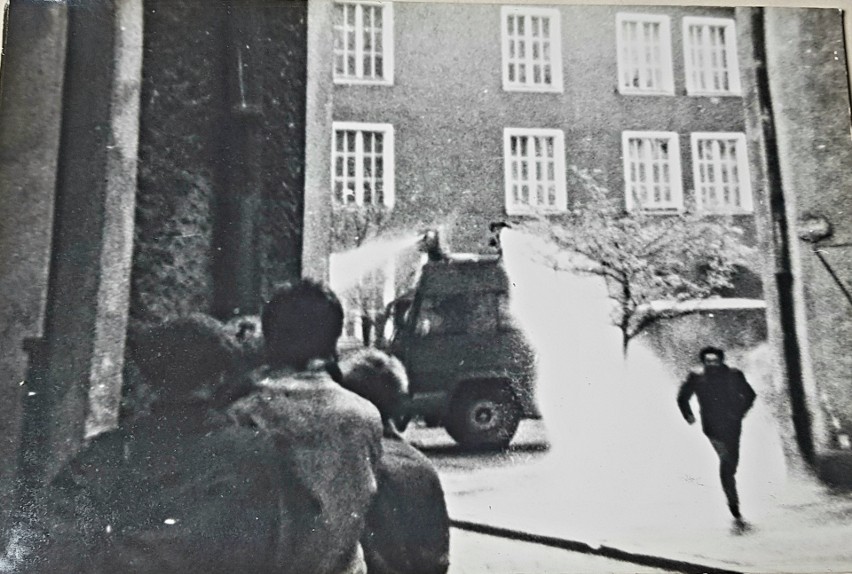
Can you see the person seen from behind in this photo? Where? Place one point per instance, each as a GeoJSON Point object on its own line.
{"type": "Point", "coordinates": [407, 529]}
{"type": "Point", "coordinates": [328, 438]}
{"type": "Point", "coordinates": [173, 489]}
{"type": "Point", "coordinates": [724, 398]}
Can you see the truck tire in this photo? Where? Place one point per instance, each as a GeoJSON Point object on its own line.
{"type": "Point", "coordinates": [484, 417]}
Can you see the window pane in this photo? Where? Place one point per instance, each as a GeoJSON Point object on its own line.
{"type": "Point", "coordinates": [644, 58]}
{"type": "Point", "coordinates": [358, 41]}
{"type": "Point", "coordinates": [708, 49]}
{"type": "Point", "coordinates": [380, 193]}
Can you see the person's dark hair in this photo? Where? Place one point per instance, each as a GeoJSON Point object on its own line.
{"type": "Point", "coordinates": [302, 321]}
{"type": "Point", "coordinates": [183, 360]}
{"type": "Point", "coordinates": [378, 377]}
{"type": "Point", "coordinates": [246, 332]}
{"type": "Point", "coordinates": [711, 351]}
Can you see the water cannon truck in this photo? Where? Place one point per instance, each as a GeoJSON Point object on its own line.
{"type": "Point", "coordinates": [470, 367]}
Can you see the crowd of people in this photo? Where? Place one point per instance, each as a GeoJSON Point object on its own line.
{"type": "Point", "coordinates": [232, 456]}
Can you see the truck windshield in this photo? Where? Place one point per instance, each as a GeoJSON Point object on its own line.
{"type": "Point", "coordinates": [472, 313]}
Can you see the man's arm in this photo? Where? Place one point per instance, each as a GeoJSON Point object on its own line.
{"type": "Point", "coordinates": [687, 389]}
{"type": "Point", "coordinates": [746, 393]}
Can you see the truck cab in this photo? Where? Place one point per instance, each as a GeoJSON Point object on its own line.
{"type": "Point", "coordinates": [470, 368]}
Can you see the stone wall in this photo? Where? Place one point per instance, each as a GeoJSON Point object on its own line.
{"type": "Point", "coordinates": [221, 156]}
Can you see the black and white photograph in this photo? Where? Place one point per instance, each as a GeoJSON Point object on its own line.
{"type": "Point", "coordinates": [442, 287]}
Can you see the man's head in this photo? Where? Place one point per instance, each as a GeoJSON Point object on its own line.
{"type": "Point", "coordinates": [379, 378]}
{"type": "Point", "coordinates": [712, 356]}
{"type": "Point", "coordinates": [302, 321]}
{"type": "Point", "coordinates": [188, 360]}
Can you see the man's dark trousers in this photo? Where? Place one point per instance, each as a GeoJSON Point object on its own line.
{"type": "Point", "coordinates": [728, 449]}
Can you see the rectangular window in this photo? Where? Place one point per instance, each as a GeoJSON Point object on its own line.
{"type": "Point", "coordinates": [644, 54]}
{"type": "Point", "coordinates": [534, 164]}
{"type": "Point", "coordinates": [710, 56]}
{"type": "Point", "coordinates": [720, 171]}
{"type": "Point", "coordinates": [363, 42]}
{"type": "Point", "coordinates": [362, 164]}
{"type": "Point", "coordinates": [532, 49]}
{"type": "Point", "coordinates": [652, 173]}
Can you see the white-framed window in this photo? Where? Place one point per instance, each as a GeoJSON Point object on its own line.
{"type": "Point", "coordinates": [710, 56]}
{"type": "Point", "coordinates": [652, 174]}
{"type": "Point", "coordinates": [362, 164]}
{"type": "Point", "coordinates": [532, 49]}
{"type": "Point", "coordinates": [644, 54]}
{"type": "Point", "coordinates": [720, 171]}
{"type": "Point", "coordinates": [363, 42]}
{"type": "Point", "coordinates": [534, 163]}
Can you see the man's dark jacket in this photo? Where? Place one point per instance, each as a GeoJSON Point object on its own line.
{"type": "Point", "coordinates": [724, 397]}
{"type": "Point", "coordinates": [171, 498]}
{"type": "Point", "coordinates": [407, 529]}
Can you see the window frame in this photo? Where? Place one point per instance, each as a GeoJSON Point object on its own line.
{"type": "Point", "coordinates": [388, 158]}
{"type": "Point", "coordinates": [675, 170]}
{"type": "Point", "coordinates": [743, 169]}
{"type": "Point", "coordinates": [387, 78]}
{"type": "Point", "coordinates": [559, 170]}
{"type": "Point", "coordinates": [667, 60]}
{"type": "Point", "coordinates": [733, 69]}
{"type": "Point", "coordinates": [555, 17]}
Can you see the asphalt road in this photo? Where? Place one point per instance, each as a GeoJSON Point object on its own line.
{"type": "Point", "coordinates": [473, 552]}
{"type": "Point", "coordinates": [530, 443]}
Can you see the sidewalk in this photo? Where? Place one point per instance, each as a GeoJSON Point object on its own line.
{"type": "Point", "coordinates": [803, 529]}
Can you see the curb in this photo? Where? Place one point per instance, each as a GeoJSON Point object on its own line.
{"type": "Point", "coordinates": [582, 547]}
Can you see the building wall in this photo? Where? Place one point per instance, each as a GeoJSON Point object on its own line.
{"type": "Point", "coordinates": [449, 109]}
{"type": "Point", "coordinates": [810, 94]}
{"type": "Point", "coordinates": [30, 111]}
{"type": "Point", "coordinates": [182, 89]}
{"type": "Point", "coordinates": [221, 177]}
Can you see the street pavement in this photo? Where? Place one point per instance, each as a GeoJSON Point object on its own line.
{"type": "Point", "coordinates": [801, 527]}
{"type": "Point", "coordinates": [474, 553]}
{"type": "Point", "coordinates": [616, 467]}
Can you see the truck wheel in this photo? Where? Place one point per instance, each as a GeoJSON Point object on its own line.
{"type": "Point", "coordinates": [484, 417]}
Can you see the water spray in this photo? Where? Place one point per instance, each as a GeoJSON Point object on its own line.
{"type": "Point", "coordinates": [347, 268]}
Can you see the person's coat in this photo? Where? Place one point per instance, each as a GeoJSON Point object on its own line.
{"type": "Point", "coordinates": [160, 499]}
{"type": "Point", "coordinates": [408, 528]}
{"type": "Point", "coordinates": [724, 397]}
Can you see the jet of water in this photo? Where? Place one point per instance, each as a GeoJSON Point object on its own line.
{"type": "Point", "coordinates": [346, 268]}
{"type": "Point", "coordinates": [620, 450]}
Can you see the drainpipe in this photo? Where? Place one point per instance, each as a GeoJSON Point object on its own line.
{"type": "Point", "coordinates": [780, 235]}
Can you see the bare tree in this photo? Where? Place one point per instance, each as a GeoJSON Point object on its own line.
{"type": "Point", "coordinates": [649, 261]}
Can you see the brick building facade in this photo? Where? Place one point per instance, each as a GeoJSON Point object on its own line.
{"type": "Point", "coordinates": [456, 115]}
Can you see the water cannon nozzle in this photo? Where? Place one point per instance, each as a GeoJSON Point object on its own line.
{"type": "Point", "coordinates": [430, 244]}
